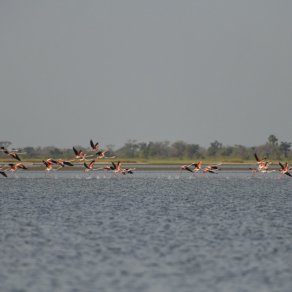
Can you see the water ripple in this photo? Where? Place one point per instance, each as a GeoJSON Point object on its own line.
{"type": "Point", "coordinates": [148, 232]}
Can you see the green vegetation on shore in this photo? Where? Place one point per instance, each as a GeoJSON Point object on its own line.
{"type": "Point", "coordinates": [165, 152]}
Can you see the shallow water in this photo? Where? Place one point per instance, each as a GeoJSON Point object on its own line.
{"type": "Point", "coordinates": [152, 231]}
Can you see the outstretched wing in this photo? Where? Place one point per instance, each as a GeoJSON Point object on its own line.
{"type": "Point", "coordinates": [22, 166]}
{"type": "Point", "coordinates": [114, 165]}
{"type": "Point", "coordinates": [3, 173]}
{"type": "Point", "coordinates": [75, 151]}
{"type": "Point", "coordinates": [282, 166]}
{"type": "Point", "coordinates": [91, 163]}
{"type": "Point", "coordinates": [188, 169]}
{"type": "Point", "coordinates": [86, 166]}
{"type": "Point", "coordinates": [14, 155]}
{"type": "Point", "coordinates": [256, 157]}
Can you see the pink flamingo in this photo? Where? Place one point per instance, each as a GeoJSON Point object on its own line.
{"type": "Point", "coordinates": [285, 168]}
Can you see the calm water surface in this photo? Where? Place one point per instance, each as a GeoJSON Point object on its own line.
{"type": "Point", "coordinates": [153, 231]}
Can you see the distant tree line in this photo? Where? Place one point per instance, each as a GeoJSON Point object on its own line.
{"type": "Point", "coordinates": [132, 149]}
{"type": "Point", "coordinates": [272, 149]}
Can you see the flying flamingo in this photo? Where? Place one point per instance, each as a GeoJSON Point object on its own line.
{"type": "Point", "coordinates": [211, 168]}
{"type": "Point", "coordinates": [89, 166]}
{"type": "Point", "coordinates": [101, 154]}
{"type": "Point", "coordinates": [197, 166]}
{"type": "Point", "coordinates": [11, 153]}
{"type": "Point", "coordinates": [80, 155]}
{"type": "Point", "coordinates": [285, 169]}
{"type": "Point", "coordinates": [94, 146]}
{"type": "Point", "coordinates": [62, 163]}
{"type": "Point", "coordinates": [49, 163]}
{"type": "Point", "coordinates": [262, 163]}
{"type": "Point", "coordinates": [263, 167]}
{"type": "Point", "coordinates": [110, 167]}
{"type": "Point", "coordinates": [14, 167]}
{"type": "Point", "coordinates": [121, 170]}
{"type": "Point", "coordinates": [187, 167]}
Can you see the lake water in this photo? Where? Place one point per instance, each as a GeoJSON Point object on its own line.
{"type": "Point", "coordinates": [151, 231]}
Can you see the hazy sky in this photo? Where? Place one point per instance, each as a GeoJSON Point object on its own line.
{"type": "Point", "coordinates": [150, 70]}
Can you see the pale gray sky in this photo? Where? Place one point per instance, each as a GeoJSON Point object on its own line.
{"type": "Point", "coordinates": [150, 70]}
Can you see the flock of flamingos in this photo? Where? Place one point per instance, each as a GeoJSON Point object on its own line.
{"type": "Point", "coordinates": [262, 165]}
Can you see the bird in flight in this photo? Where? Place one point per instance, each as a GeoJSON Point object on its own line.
{"type": "Point", "coordinates": [262, 164]}
{"type": "Point", "coordinates": [187, 167]}
{"type": "Point", "coordinates": [49, 163]}
{"type": "Point", "coordinates": [89, 167]}
{"type": "Point", "coordinates": [285, 168]}
{"type": "Point", "coordinates": [10, 153]}
{"type": "Point", "coordinates": [101, 154]}
{"type": "Point", "coordinates": [80, 155]}
{"type": "Point", "coordinates": [120, 169]}
{"type": "Point", "coordinates": [197, 166]}
{"type": "Point", "coordinates": [94, 146]}
{"type": "Point", "coordinates": [15, 166]}
{"type": "Point", "coordinates": [211, 168]}
{"type": "Point", "coordinates": [113, 167]}
{"type": "Point", "coordinates": [62, 163]}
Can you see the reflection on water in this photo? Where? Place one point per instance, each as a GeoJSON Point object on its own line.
{"type": "Point", "coordinates": [153, 231]}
